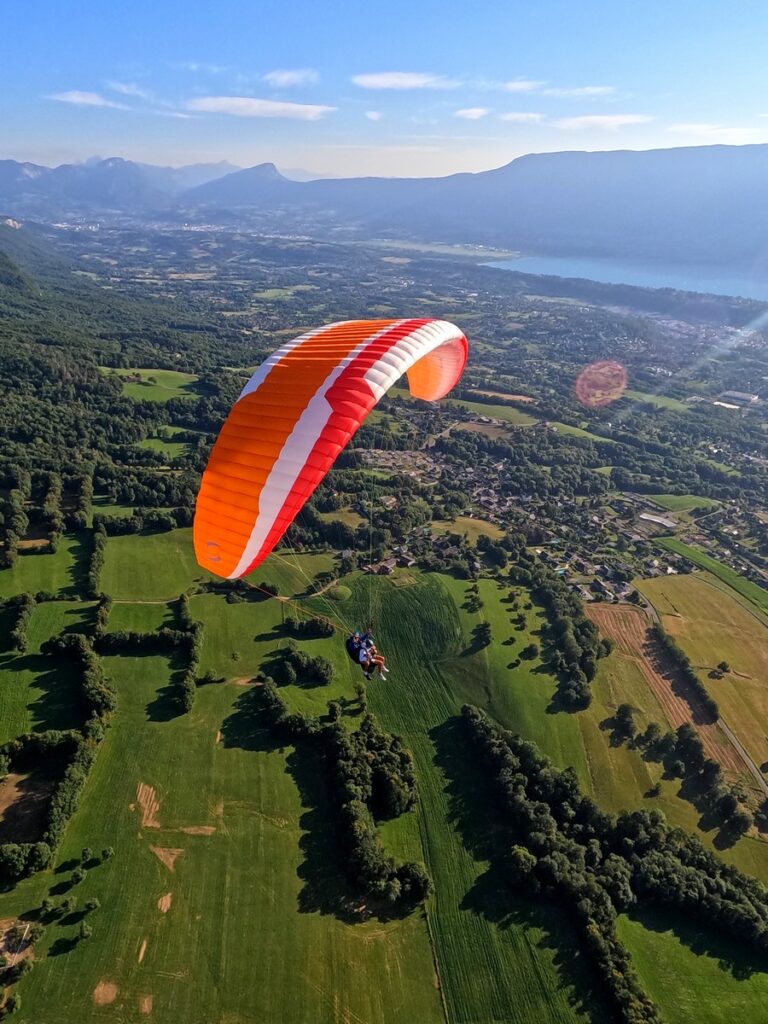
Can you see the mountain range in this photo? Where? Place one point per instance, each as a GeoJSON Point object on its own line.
{"type": "Point", "coordinates": [704, 204]}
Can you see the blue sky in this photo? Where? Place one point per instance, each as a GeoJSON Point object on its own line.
{"type": "Point", "coordinates": [366, 87]}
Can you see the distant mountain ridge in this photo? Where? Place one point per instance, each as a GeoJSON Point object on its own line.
{"type": "Point", "coordinates": [111, 184]}
{"type": "Point", "coordinates": [704, 204]}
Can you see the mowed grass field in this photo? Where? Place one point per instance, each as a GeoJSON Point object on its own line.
{"type": "Point", "coordinates": [754, 594]}
{"type": "Point", "coordinates": [226, 903]}
{"type": "Point", "coordinates": [37, 691]}
{"type": "Point", "coordinates": [712, 626]}
{"type": "Point", "coordinates": [730, 985]}
{"type": "Point", "coordinates": [155, 385]}
{"type": "Point", "coordinates": [496, 962]}
{"type": "Point", "coordinates": [159, 566]}
{"type": "Point", "coordinates": [471, 528]}
{"type": "Point", "coordinates": [507, 413]}
{"type": "Point", "coordinates": [61, 573]}
{"type": "Point", "coordinates": [683, 502]}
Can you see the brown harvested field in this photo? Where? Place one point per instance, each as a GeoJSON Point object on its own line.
{"type": "Point", "coordinates": [629, 628]}
{"type": "Point", "coordinates": [145, 1004]}
{"type": "Point", "coordinates": [149, 804]}
{"type": "Point", "coordinates": [198, 830]}
{"type": "Point", "coordinates": [142, 950]}
{"type": "Point", "coordinates": [164, 903]}
{"type": "Point", "coordinates": [712, 623]}
{"type": "Point", "coordinates": [23, 806]}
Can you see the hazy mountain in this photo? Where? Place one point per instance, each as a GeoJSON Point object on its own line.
{"type": "Point", "coordinates": [701, 204]}
{"type": "Point", "coordinates": [253, 186]}
{"type": "Point", "coordinates": [299, 174]}
{"type": "Point", "coordinates": [705, 203]}
{"type": "Point", "coordinates": [99, 185]}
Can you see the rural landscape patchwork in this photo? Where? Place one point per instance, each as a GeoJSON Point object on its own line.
{"type": "Point", "coordinates": [555, 806]}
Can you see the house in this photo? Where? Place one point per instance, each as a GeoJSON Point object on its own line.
{"type": "Point", "coordinates": [739, 397]}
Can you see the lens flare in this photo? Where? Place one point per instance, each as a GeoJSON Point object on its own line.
{"type": "Point", "coordinates": [601, 383]}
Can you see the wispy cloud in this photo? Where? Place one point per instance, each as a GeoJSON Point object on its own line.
{"type": "Point", "coordinates": [472, 113]}
{"type": "Point", "coordinates": [706, 131]}
{"type": "Point", "coordinates": [85, 99]}
{"type": "Point", "coordinates": [604, 122]}
{"type": "Point", "coordinates": [404, 80]}
{"type": "Point", "coordinates": [582, 91]}
{"type": "Point", "coordinates": [521, 85]}
{"type": "Point", "coordinates": [287, 79]}
{"type": "Point", "coordinates": [374, 115]}
{"type": "Point", "coordinates": [245, 106]}
{"type": "Point", "coordinates": [130, 89]}
{"type": "Point", "coordinates": [521, 117]}
{"type": "Point", "coordinates": [195, 66]}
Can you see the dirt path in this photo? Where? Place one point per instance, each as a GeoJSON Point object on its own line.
{"type": "Point", "coordinates": [628, 627]}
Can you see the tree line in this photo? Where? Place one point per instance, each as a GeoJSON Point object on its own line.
{"type": "Point", "coordinates": [562, 845]}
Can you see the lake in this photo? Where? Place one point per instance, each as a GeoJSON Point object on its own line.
{"type": "Point", "coordinates": [713, 280]}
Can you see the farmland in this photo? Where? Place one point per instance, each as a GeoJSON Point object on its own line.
{"type": "Point", "coordinates": [240, 808]}
{"type": "Point", "coordinates": [712, 626]}
{"type": "Point", "coordinates": [754, 594]}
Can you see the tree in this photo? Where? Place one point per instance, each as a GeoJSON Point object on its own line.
{"type": "Point", "coordinates": [86, 854]}
{"type": "Point", "coordinates": [92, 904]}
{"type": "Point", "coordinates": [77, 876]}
{"type": "Point", "coordinates": [529, 652]}
{"type": "Point", "coordinates": [625, 721]}
{"type": "Point", "coordinates": [723, 666]}
{"type": "Point", "coordinates": [107, 853]}
{"type": "Point", "coordinates": [84, 931]}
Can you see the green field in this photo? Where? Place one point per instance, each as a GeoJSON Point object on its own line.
{"type": "Point", "coordinates": [507, 413]}
{"type": "Point", "coordinates": [39, 692]}
{"type": "Point", "coordinates": [660, 401]}
{"type": "Point", "coordinates": [754, 594]}
{"type": "Point", "coordinates": [683, 502]}
{"type": "Point", "coordinates": [60, 573]}
{"type": "Point", "coordinates": [171, 449]}
{"type": "Point", "coordinates": [692, 975]}
{"type": "Point", "coordinates": [256, 930]}
{"type": "Point", "coordinates": [155, 385]}
{"type": "Point", "coordinates": [471, 528]}
{"type": "Point", "coordinates": [567, 428]}
{"type": "Point", "coordinates": [159, 566]}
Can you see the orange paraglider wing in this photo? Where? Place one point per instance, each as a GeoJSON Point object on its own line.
{"type": "Point", "coordinates": [294, 416]}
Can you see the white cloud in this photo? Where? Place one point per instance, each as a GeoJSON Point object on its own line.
{"type": "Point", "coordinates": [245, 106]}
{"type": "Point", "coordinates": [605, 122]}
{"type": "Point", "coordinates": [85, 99]}
{"type": "Point", "coordinates": [521, 117]}
{"type": "Point", "coordinates": [521, 85]}
{"type": "Point", "coordinates": [582, 91]}
{"type": "Point", "coordinates": [130, 89]}
{"type": "Point", "coordinates": [374, 115]}
{"type": "Point", "coordinates": [472, 113]}
{"type": "Point", "coordinates": [705, 131]}
{"type": "Point", "coordinates": [403, 80]}
{"type": "Point", "coordinates": [286, 79]}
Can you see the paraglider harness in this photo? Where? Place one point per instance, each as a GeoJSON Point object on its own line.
{"type": "Point", "coordinates": [356, 643]}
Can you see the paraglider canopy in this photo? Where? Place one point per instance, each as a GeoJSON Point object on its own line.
{"type": "Point", "coordinates": [294, 416]}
